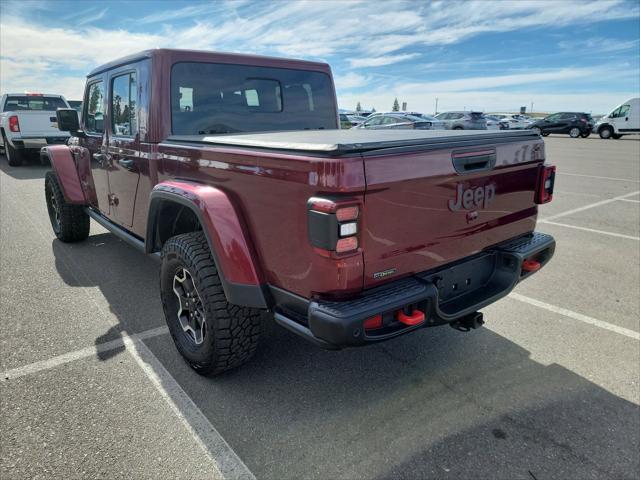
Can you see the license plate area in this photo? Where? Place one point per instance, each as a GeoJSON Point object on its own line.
{"type": "Point", "coordinates": [463, 278]}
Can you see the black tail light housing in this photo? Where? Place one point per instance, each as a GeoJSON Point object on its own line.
{"type": "Point", "coordinates": [545, 183]}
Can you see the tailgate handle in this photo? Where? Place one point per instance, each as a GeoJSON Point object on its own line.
{"type": "Point", "coordinates": [474, 161]}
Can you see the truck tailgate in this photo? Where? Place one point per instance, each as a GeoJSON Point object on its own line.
{"type": "Point", "coordinates": [427, 208]}
{"type": "Point", "coordinates": [39, 124]}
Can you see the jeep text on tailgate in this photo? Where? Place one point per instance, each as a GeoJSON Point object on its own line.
{"type": "Point", "coordinates": [346, 237]}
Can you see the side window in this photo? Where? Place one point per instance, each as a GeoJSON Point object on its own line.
{"type": "Point", "coordinates": [553, 118]}
{"type": "Point", "coordinates": [456, 116]}
{"type": "Point", "coordinates": [123, 105]}
{"type": "Point", "coordinates": [374, 121]}
{"type": "Point", "coordinates": [621, 112]}
{"type": "Point", "coordinates": [94, 108]}
{"type": "Point", "coordinates": [390, 120]}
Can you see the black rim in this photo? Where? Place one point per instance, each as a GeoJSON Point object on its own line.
{"type": "Point", "coordinates": [190, 309]}
{"type": "Point", "coordinates": [54, 209]}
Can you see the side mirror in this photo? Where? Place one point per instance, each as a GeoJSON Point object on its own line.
{"type": "Point", "coordinates": [68, 120]}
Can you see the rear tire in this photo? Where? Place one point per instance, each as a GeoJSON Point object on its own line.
{"type": "Point", "coordinates": [457, 128]}
{"type": "Point", "coordinates": [574, 132]}
{"type": "Point", "coordinates": [585, 134]}
{"type": "Point", "coordinates": [616, 136]}
{"type": "Point", "coordinates": [70, 223]}
{"type": "Point", "coordinates": [537, 130]}
{"type": "Point", "coordinates": [211, 334]}
{"type": "Point", "coordinates": [14, 157]}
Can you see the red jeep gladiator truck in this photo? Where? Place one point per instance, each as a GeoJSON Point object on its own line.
{"type": "Point", "coordinates": [232, 170]}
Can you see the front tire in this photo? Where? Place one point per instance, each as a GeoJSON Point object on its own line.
{"type": "Point", "coordinates": [70, 222]}
{"type": "Point", "coordinates": [606, 132]}
{"type": "Point", "coordinates": [211, 334]}
{"type": "Point", "coordinates": [585, 134]}
{"type": "Point", "coordinates": [574, 132]}
{"type": "Point", "coordinates": [14, 157]}
{"type": "Point", "coordinates": [537, 130]}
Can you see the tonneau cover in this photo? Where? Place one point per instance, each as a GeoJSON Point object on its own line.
{"type": "Point", "coordinates": [341, 142]}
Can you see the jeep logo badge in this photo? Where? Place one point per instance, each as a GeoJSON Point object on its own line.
{"type": "Point", "coordinates": [473, 198]}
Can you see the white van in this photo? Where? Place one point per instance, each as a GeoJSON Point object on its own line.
{"type": "Point", "coordinates": [623, 120]}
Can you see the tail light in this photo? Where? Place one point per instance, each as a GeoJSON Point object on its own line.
{"type": "Point", "coordinates": [14, 125]}
{"type": "Point", "coordinates": [544, 186]}
{"type": "Point", "coordinates": [333, 225]}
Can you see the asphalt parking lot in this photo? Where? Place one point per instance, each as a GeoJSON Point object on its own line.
{"type": "Point", "coordinates": [92, 385]}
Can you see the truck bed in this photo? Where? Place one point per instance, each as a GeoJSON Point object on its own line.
{"type": "Point", "coordinates": [337, 143]}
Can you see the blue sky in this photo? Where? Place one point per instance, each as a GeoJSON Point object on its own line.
{"type": "Point", "coordinates": [494, 56]}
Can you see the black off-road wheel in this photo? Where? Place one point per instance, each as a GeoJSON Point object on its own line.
{"type": "Point", "coordinates": [211, 334]}
{"type": "Point", "coordinates": [70, 222]}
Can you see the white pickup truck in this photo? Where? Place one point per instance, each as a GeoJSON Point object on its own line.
{"type": "Point", "coordinates": [28, 123]}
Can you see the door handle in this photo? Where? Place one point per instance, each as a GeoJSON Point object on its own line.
{"type": "Point", "coordinates": [127, 163]}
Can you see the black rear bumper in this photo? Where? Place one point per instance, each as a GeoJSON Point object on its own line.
{"type": "Point", "coordinates": [444, 295]}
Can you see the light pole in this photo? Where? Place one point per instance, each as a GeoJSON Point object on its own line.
{"type": "Point", "coordinates": [436, 106]}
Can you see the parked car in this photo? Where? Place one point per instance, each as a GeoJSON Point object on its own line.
{"type": "Point", "coordinates": [623, 120]}
{"type": "Point", "coordinates": [28, 122]}
{"type": "Point", "coordinates": [399, 120]}
{"type": "Point", "coordinates": [345, 237]}
{"type": "Point", "coordinates": [514, 120]}
{"type": "Point", "coordinates": [495, 123]}
{"type": "Point", "coordinates": [576, 124]}
{"type": "Point", "coordinates": [348, 121]}
{"type": "Point", "coordinates": [463, 120]}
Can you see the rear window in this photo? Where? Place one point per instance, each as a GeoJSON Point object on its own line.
{"type": "Point", "coordinates": [210, 98]}
{"type": "Point", "coordinates": [477, 115]}
{"type": "Point", "coordinates": [33, 102]}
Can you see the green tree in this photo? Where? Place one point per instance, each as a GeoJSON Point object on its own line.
{"type": "Point", "coordinates": [96, 98]}
{"type": "Point", "coordinates": [358, 107]}
{"type": "Point", "coordinates": [373, 109]}
{"type": "Point", "coordinates": [396, 106]}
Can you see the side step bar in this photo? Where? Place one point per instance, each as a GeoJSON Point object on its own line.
{"type": "Point", "coordinates": [118, 231]}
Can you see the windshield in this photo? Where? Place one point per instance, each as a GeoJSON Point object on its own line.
{"type": "Point", "coordinates": [33, 102]}
{"type": "Point", "coordinates": [209, 98]}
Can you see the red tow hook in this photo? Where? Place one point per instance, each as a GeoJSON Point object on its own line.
{"type": "Point", "coordinates": [415, 318]}
{"type": "Point", "coordinates": [531, 265]}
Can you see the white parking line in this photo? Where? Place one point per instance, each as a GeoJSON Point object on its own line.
{"type": "Point", "coordinates": [628, 200]}
{"type": "Point", "coordinates": [577, 316]}
{"type": "Point", "coordinates": [126, 341]}
{"type": "Point", "coordinates": [589, 206]}
{"type": "Point", "coordinates": [592, 230]}
{"type": "Point", "coordinates": [599, 178]}
{"type": "Point", "coordinates": [217, 450]}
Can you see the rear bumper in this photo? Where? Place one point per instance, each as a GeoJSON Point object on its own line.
{"type": "Point", "coordinates": [36, 143]}
{"type": "Point", "coordinates": [443, 295]}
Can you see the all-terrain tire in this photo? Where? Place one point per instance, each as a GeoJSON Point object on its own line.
{"type": "Point", "coordinates": [70, 222]}
{"type": "Point", "coordinates": [14, 157]}
{"type": "Point", "coordinates": [230, 333]}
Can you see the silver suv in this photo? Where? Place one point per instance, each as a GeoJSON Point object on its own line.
{"type": "Point", "coordinates": [463, 120]}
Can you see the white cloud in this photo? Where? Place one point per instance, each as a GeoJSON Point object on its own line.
{"type": "Point", "coordinates": [380, 61]}
{"type": "Point", "coordinates": [350, 80]}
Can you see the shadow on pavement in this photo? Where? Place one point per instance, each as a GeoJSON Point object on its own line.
{"type": "Point", "coordinates": [30, 169]}
{"type": "Point", "coordinates": [434, 404]}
